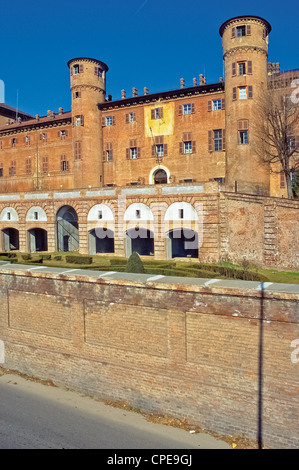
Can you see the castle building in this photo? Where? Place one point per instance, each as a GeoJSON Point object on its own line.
{"type": "Point", "coordinates": [127, 175]}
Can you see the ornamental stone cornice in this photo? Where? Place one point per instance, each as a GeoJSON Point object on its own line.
{"type": "Point", "coordinates": [245, 48]}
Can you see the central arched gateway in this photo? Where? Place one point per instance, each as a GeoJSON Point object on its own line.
{"type": "Point", "coordinates": [67, 229]}
{"type": "Point", "coordinates": [160, 176]}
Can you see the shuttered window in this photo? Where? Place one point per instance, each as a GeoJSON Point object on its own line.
{"type": "Point", "coordinates": [250, 92]}
{"type": "Point", "coordinates": [64, 163]}
{"type": "Point", "coordinates": [249, 67]}
{"type": "Point", "coordinates": [45, 166]}
{"type": "Point", "coordinates": [108, 152]}
{"type": "Point", "coordinates": [28, 166]}
{"type": "Point", "coordinates": [234, 93]}
{"type": "Point", "coordinates": [234, 68]}
{"type": "Point", "coordinates": [78, 155]}
{"type": "Point", "coordinates": [157, 113]}
{"type": "Point", "coordinates": [12, 169]}
{"type": "Point", "coordinates": [282, 180]}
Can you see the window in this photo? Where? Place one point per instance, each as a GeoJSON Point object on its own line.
{"type": "Point", "coordinates": [79, 121]}
{"type": "Point", "coordinates": [27, 140]}
{"type": "Point", "coordinates": [187, 108]}
{"type": "Point", "coordinates": [28, 166]}
{"type": "Point", "coordinates": [181, 213]}
{"type": "Point", "coordinates": [282, 180]}
{"type": "Point", "coordinates": [109, 121]}
{"type": "Point", "coordinates": [217, 140]}
{"type": "Point", "coordinates": [14, 142]}
{"type": "Point", "coordinates": [62, 134]}
{"type": "Point", "coordinates": [216, 104]}
{"type": "Point", "coordinates": [133, 152]}
{"type": "Point", "coordinates": [0, 144]}
{"type": "Point", "coordinates": [45, 165]}
{"type": "Point", "coordinates": [159, 150]}
{"type": "Point", "coordinates": [8, 214]}
{"type": "Point", "coordinates": [138, 214]}
{"type": "Point", "coordinates": [100, 214]}
{"type": "Point", "coordinates": [98, 72]}
{"type": "Point", "coordinates": [157, 113]}
{"type": "Point", "coordinates": [188, 146]}
{"type": "Point", "coordinates": [43, 137]}
{"type": "Point", "coordinates": [242, 68]}
{"type": "Point", "coordinates": [130, 117]}
{"type": "Point", "coordinates": [1, 170]}
{"type": "Point", "coordinates": [77, 68]}
{"type": "Point", "coordinates": [291, 143]}
{"type": "Point", "coordinates": [241, 31]}
{"type": "Point", "coordinates": [242, 93]}
{"type": "Point", "coordinates": [76, 94]}
{"type": "Point", "coordinates": [35, 215]}
{"type": "Point", "coordinates": [108, 153]}
{"type": "Point", "coordinates": [243, 131]}
{"type": "Point", "coordinates": [64, 164]}
{"type": "Point", "coordinates": [77, 150]}
{"type": "Point", "coordinates": [243, 137]}
{"type": "Point", "coordinates": [12, 168]}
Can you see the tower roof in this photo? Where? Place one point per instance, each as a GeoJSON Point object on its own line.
{"type": "Point", "coordinates": [268, 26]}
{"type": "Point", "coordinates": [89, 59]}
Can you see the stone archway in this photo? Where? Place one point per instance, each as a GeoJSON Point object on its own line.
{"type": "Point", "coordinates": [37, 240]}
{"type": "Point", "coordinates": [140, 240]}
{"type": "Point", "coordinates": [10, 239]}
{"type": "Point", "coordinates": [183, 243]}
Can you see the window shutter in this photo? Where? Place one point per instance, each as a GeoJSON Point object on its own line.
{"type": "Point", "coordinates": [138, 152]}
{"type": "Point", "coordinates": [103, 121]}
{"type": "Point", "coordinates": [58, 133]}
{"type": "Point", "coordinates": [113, 120]}
{"type": "Point", "coordinates": [111, 155]}
{"type": "Point", "coordinates": [104, 155]}
{"type": "Point", "coordinates": [128, 154]}
{"type": "Point", "coordinates": [209, 105]}
{"type": "Point", "coordinates": [264, 33]}
{"type": "Point", "coordinates": [71, 71]}
{"type": "Point", "coordinates": [193, 146]}
{"type": "Point", "coordinates": [250, 92]}
{"type": "Point", "coordinates": [233, 69]}
{"type": "Point", "coordinates": [96, 70]}
{"type": "Point", "coordinates": [127, 118]}
{"type": "Point", "coordinates": [82, 119]}
{"type": "Point", "coordinates": [223, 139]}
{"type": "Point", "coordinates": [192, 108]}
{"type": "Point", "coordinates": [153, 150]}
{"type": "Point", "coordinates": [80, 68]}
{"type": "Point", "coordinates": [240, 125]}
{"type": "Point", "coordinates": [73, 121]}
{"type": "Point", "coordinates": [249, 67]}
{"type": "Point", "coordinates": [160, 113]}
{"type": "Point", "coordinates": [24, 139]}
{"type": "Point", "coordinates": [181, 149]}
{"type": "Point", "coordinates": [233, 32]}
{"type": "Point", "coordinates": [152, 114]}
{"type": "Point", "coordinates": [210, 141]}
{"type": "Point", "coordinates": [234, 93]}
{"type": "Point", "coordinates": [180, 109]}
{"type": "Point", "coordinates": [248, 30]}
{"type": "Point", "coordinates": [165, 149]}
{"type": "Point", "coordinates": [134, 116]}
{"type": "Point", "coordinates": [223, 103]}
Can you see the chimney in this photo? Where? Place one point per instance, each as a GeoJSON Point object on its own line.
{"type": "Point", "coordinates": [123, 94]}
{"type": "Point", "coordinates": [194, 82]}
{"type": "Point", "coordinates": [145, 90]}
{"type": "Point", "coordinates": [60, 111]}
{"type": "Point", "coordinates": [182, 83]}
{"type": "Point", "coordinates": [134, 91]}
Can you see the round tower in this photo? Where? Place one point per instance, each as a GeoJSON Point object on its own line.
{"type": "Point", "coordinates": [88, 88]}
{"type": "Point", "coordinates": [245, 52]}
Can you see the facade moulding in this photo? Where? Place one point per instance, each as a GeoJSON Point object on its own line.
{"type": "Point", "coordinates": [246, 49]}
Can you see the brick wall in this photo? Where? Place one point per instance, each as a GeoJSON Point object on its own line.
{"type": "Point", "coordinates": [186, 347]}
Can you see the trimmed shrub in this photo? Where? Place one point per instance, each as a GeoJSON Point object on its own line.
{"type": "Point", "coordinates": [134, 264]}
{"type": "Point", "coordinates": [26, 256]}
{"type": "Point", "coordinates": [57, 258]}
{"type": "Point", "coordinates": [73, 259]}
{"type": "Point", "coordinates": [46, 256]}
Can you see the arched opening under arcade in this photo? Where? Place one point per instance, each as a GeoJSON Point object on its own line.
{"type": "Point", "coordinates": [182, 243]}
{"type": "Point", "coordinates": [101, 240]}
{"type": "Point", "coordinates": [140, 240]}
{"type": "Point", "coordinates": [10, 239]}
{"type": "Point", "coordinates": [37, 240]}
{"type": "Point", "coordinates": [67, 229]}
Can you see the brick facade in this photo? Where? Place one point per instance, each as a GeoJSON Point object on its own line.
{"type": "Point", "coordinates": [193, 349]}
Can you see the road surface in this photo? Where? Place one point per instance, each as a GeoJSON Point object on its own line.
{"type": "Point", "coordinates": [37, 416]}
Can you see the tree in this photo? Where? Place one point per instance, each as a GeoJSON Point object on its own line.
{"type": "Point", "coordinates": [276, 132]}
{"type": "Point", "coordinates": [134, 264]}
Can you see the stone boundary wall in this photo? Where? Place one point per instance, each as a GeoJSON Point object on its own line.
{"type": "Point", "coordinates": [215, 352]}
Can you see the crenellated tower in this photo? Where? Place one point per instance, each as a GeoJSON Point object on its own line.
{"type": "Point", "coordinates": [245, 52]}
{"type": "Point", "coordinates": [88, 88]}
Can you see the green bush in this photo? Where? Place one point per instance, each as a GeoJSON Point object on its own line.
{"type": "Point", "coordinates": [73, 259]}
{"type": "Point", "coordinates": [46, 257]}
{"type": "Point", "coordinates": [134, 264]}
{"type": "Point", "coordinates": [118, 262]}
{"type": "Point", "coordinates": [57, 258]}
{"type": "Point", "coordinates": [26, 256]}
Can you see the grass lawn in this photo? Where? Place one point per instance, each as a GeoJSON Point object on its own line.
{"type": "Point", "coordinates": [190, 268]}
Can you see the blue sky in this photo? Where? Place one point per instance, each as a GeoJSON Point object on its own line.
{"type": "Point", "coordinates": [149, 43]}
